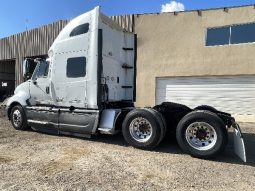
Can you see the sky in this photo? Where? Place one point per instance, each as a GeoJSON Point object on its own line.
{"type": "Point", "coordinates": [21, 15]}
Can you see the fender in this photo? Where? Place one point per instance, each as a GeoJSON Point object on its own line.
{"type": "Point", "coordinates": [21, 95]}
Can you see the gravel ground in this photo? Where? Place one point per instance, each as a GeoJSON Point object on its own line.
{"type": "Point", "coordinates": [36, 161]}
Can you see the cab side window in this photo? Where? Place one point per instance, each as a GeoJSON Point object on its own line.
{"type": "Point", "coordinates": [43, 70]}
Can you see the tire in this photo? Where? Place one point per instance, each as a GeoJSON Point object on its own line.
{"type": "Point", "coordinates": [162, 124]}
{"type": "Point", "coordinates": [18, 118]}
{"type": "Point", "coordinates": [202, 134]}
{"type": "Point", "coordinates": [138, 121]}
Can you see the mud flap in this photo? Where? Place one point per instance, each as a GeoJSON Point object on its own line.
{"type": "Point", "coordinates": [239, 143]}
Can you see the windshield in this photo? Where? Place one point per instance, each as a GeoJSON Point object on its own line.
{"type": "Point", "coordinates": [41, 70]}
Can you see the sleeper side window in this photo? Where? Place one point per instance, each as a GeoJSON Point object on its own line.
{"type": "Point", "coordinates": [76, 67]}
{"type": "Point", "coordinates": [81, 29]}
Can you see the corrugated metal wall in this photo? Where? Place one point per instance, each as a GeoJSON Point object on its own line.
{"type": "Point", "coordinates": [30, 43]}
{"type": "Point", "coordinates": [125, 21]}
{"type": "Point", "coordinates": [36, 42]}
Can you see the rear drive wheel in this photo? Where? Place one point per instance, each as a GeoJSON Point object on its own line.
{"type": "Point", "coordinates": [141, 129]}
{"type": "Point", "coordinates": [202, 134]}
{"type": "Point", "coordinates": [18, 118]}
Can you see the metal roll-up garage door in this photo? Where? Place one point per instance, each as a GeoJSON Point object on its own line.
{"type": "Point", "coordinates": [7, 78]}
{"type": "Point", "coordinates": [234, 94]}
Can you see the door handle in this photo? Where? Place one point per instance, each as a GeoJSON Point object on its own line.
{"type": "Point", "coordinates": [47, 90]}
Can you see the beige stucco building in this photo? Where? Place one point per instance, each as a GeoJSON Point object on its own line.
{"type": "Point", "coordinates": [175, 60]}
{"type": "Point", "coordinates": [170, 46]}
{"type": "Point", "coordinates": [173, 45]}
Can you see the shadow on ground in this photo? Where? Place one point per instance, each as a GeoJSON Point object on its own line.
{"type": "Point", "coordinates": [169, 145]}
{"type": "Point", "coordinates": [229, 156]}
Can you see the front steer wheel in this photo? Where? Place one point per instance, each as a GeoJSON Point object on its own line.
{"type": "Point", "coordinates": [18, 118]}
{"type": "Point", "coordinates": [202, 134]}
{"type": "Point", "coordinates": [142, 129]}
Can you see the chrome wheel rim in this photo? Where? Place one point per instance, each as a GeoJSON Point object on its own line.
{"type": "Point", "coordinates": [201, 136]}
{"type": "Point", "coordinates": [140, 129]}
{"type": "Point", "coordinates": [17, 118]}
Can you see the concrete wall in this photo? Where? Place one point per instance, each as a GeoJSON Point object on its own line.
{"type": "Point", "coordinates": [174, 45]}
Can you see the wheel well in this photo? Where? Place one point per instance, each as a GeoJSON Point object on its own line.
{"type": "Point", "coordinates": [121, 117]}
{"type": "Point", "coordinates": [226, 117]}
{"type": "Point", "coordinates": [10, 108]}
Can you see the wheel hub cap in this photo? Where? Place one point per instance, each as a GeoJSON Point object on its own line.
{"type": "Point", "coordinates": [140, 129]}
{"type": "Point", "coordinates": [201, 136]}
{"type": "Point", "coordinates": [17, 119]}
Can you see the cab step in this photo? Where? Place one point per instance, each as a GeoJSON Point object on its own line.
{"type": "Point", "coordinates": [124, 48]}
{"type": "Point", "coordinates": [107, 131]}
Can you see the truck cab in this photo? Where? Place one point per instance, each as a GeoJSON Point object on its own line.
{"type": "Point", "coordinates": [87, 85]}
{"type": "Point", "coordinates": [90, 66]}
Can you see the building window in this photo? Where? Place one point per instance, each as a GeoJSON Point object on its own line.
{"type": "Point", "coordinates": [81, 29]}
{"type": "Point", "coordinates": [218, 36]}
{"type": "Point", "coordinates": [235, 34]}
{"type": "Point", "coordinates": [76, 67]}
{"type": "Point", "coordinates": [243, 33]}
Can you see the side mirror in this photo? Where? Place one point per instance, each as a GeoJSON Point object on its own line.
{"type": "Point", "coordinates": [25, 68]}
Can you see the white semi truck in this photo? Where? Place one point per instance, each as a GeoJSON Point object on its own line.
{"type": "Point", "coordinates": [88, 86]}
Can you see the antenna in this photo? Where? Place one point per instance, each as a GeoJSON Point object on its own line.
{"type": "Point", "coordinates": [26, 24]}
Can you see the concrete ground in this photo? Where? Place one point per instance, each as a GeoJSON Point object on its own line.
{"type": "Point", "coordinates": [36, 161]}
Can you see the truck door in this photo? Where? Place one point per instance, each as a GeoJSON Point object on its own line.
{"type": "Point", "coordinates": [40, 111]}
{"type": "Point", "coordinates": [39, 88]}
